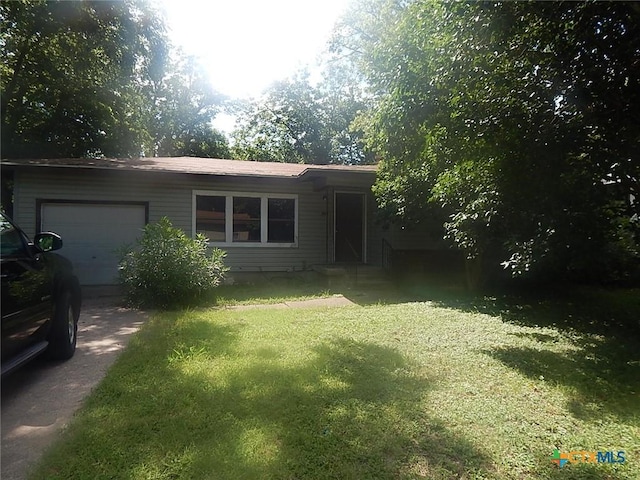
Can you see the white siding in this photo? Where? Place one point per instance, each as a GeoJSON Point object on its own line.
{"type": "Point", "coordinates": [374, 233]}
{"type": "Point", "coordinates": [171, 195]}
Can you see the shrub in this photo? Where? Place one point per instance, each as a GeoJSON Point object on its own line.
{"type": "Point", "coordinates": [167, 268]}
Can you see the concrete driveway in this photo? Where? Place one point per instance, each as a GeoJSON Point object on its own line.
{"type": "Point", "coordinates": [40, 399]}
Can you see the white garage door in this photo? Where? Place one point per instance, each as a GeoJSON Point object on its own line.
{"type": "Point", "coordinates": [92, 236]}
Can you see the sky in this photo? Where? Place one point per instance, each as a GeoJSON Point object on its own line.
{"type": "Point", "coordinates": [246, 45]}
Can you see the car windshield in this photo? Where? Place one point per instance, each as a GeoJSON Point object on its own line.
{"type": "Point", "coordinates": [10, 238]}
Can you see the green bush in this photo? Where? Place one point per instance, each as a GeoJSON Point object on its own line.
{"type": "Point", "coordinates": [167, 268]}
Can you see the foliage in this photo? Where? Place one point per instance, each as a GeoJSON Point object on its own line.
{"type": "Point", "coordinates": [296, 122]}
{"type": "Point", "coordinates": [167, 268]}
{"type": "Point", "coordinates": [184, 103]}
{"type": "Point", "coordinates": [342, 98]}
{"type": "Point", "coordinates": [92, 78]}
{"type": "Point", "coordinates": [518, 118]}
{"type": "Point", "coordinates": [6, 192]}
{"type": "Point", "coordinates": [70, 73]}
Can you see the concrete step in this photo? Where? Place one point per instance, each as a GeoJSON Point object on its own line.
{"type": "Point", "coordinates": [352, 275]}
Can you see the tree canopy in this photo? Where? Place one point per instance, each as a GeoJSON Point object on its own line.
{"type": "Point", "coordinates": [297, 122]}
{"type": "Point", "coordinates": [184, 103]}
{"type": "Point", "coordinates": [518, 118]}
{"type": "Point", "coordinates": [92, 78]}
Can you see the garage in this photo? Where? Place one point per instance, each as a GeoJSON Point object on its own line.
{"type": "Point", "coordinates": [94, 235]}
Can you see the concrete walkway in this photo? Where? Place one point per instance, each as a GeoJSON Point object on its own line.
{"type": "Point", "coordinates": [40, 399]}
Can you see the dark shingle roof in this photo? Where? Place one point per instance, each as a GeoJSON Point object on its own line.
{"type": "Point", "coordinates": [193, 165]}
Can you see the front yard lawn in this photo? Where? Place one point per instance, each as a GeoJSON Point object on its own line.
{"type": "Point", "coordinates": [405, 390]}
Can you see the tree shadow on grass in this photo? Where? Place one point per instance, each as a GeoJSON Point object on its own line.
{"type": "Point", "coordinates": [603, 367]}
{"type": "Point", "coordinates": [350, 410]}
{"type": "Point", "coordinates": [610, 312]}
{"type": "Point", "coordinates": [585, 471]}
{"type": "Point", "coordinates": [603, 326]}
{"type": "Point", "coordinates": [602, 378]}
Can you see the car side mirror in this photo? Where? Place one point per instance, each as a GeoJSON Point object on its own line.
{"type": "Point", "coordinates": [47, 241]}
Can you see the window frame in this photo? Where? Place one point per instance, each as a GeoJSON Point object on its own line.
{"type": "Point", "coordinates": [264, 218]}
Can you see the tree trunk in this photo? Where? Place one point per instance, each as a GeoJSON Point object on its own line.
{"type": "Point", "coordinates": [474, 272]}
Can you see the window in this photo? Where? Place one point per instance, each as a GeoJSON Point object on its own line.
{"type": "Point", "coordinates": [281, 224]}
{"type": "Point", "coordinates": [11, 240]}
{"type": "Point", "coordinates": [210, 217]}
{"type": "Point", "coordinates": [246, 219]}
{"type": "Point", "coordinates": [238, 219]}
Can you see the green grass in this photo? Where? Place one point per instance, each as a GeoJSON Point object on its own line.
{"type": "Point", "coordinates": [448, 388]}
{"type": "Point", "coordinates": [275, 291]}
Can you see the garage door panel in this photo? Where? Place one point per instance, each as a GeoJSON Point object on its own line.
{"type": "Point", "coordinates": [93, 236]}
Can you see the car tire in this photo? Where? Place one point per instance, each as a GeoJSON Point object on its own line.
{"type": "Point", "coordinates": [64, 328]}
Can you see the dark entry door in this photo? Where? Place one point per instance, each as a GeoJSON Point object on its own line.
{"type": "Point", "coordinates": [349, 236]}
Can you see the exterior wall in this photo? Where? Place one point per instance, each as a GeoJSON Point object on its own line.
{"type": "Point", "coordinates": [374, 233]}
{"type": "Point", "coordinates": [170, 195]}
{"type": "Point", "coordinates": [417, 238]}
{"type": "Point", "coordinates": [329, 196]}
{"type": "Point", "coordinates": [421, 250]}
{"type": "Point", "coordinates": [428, 235]}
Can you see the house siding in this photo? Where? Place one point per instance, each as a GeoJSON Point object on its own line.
{"type": "Point", "coordinates": [171, 195]}
{"type": "Point", "coordinates": [374, 233]}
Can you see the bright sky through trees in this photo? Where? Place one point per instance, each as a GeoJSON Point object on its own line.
{"type": "Point", "coordinates": [246, 45]}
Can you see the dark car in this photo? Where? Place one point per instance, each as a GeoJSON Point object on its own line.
{"type": "Point", "coordinates": [40, 298]}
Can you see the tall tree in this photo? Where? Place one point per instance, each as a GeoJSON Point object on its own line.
{"type": "Point", "coordinates": [285, 125]}
{"type": "Point", "coordinates": [96, 78]}
{"type": "Point", "coordinates": [183, 105]}
{"type": "Point", "coordinates": [72, 74]}
{"type": "Point", "coordinates": [517, 117]}
{"type": "Point", "coordinates": [298, 122]}
{"type": "Point", "coordinates": [343, 98]}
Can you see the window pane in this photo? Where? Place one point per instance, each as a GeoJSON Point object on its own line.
{"type": "Point", "coordinates": [246, 219]}
{"type": "Point", "coordinates": [282, 216]}
{"type": "Point", "coordinates": [210, 217]}
{"type": "Point", "coordinates": [10, 241]}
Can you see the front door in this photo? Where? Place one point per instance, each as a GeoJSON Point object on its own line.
{"type": "Point", "coordinates": [349, 228]}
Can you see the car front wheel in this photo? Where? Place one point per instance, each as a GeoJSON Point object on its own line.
{"type": "Point", "coordinates": [64, 328]}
